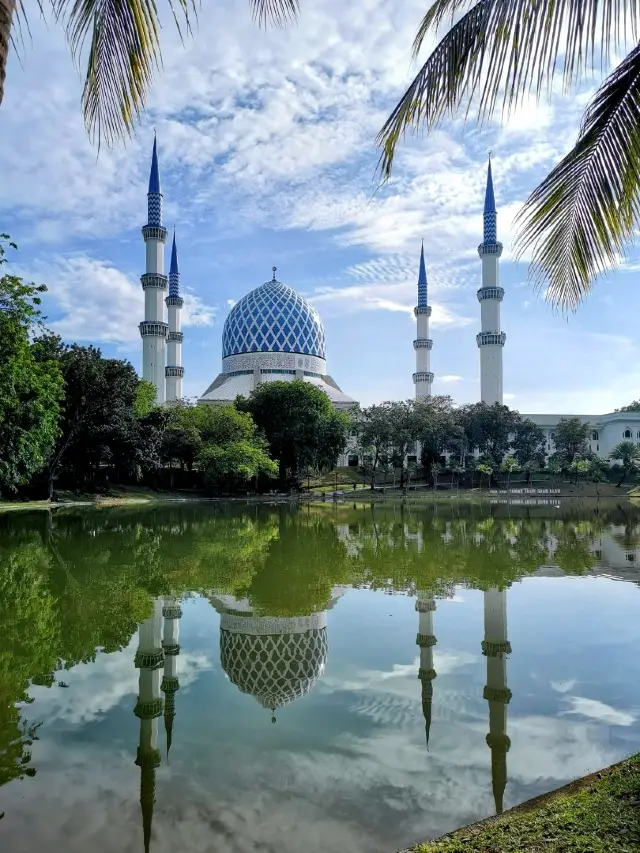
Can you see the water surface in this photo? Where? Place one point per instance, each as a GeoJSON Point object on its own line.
{"type": "Point", "coordinates": [200, 678]}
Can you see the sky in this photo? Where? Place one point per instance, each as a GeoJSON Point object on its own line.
{"type": "Point", "coordinates": [267, 157]}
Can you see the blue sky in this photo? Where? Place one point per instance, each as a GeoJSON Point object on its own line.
{"type": "Point", "coordinates": [267, 156]}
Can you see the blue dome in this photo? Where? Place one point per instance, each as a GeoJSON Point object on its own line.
{"type": "Point", "coordinates": [273, 318]}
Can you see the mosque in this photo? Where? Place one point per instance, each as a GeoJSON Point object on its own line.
{"type": "Point", "coordinates": [273, 333]}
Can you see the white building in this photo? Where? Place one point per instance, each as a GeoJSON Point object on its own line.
{"type": "Point", "coordinates": [273, 333]}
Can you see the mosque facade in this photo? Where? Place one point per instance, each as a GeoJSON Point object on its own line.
{"type": "Point", "coordinates": [273, 333]}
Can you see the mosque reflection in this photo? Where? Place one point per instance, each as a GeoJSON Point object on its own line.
{"type": "Point", "coordinates": [278, 660]}
{"type": "Point", "coordinates": [275, 652]}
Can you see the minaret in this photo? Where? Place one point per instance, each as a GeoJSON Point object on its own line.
{"type": "Point", "coordinates": [153, 328]}
{"type": "Point", "coordinates": [174, 371]}
{"type": "Point", "coordinates": [149, 659]}
{"type": "Point", "coordinates": [496, 647]}
{"type": "Point", "coordinates": [422, 378]}
{"type": "Point", "coordinates": [425, 606]}
{"type": "Point", "coordinates": [491, 339]}
{"type": "Point", "coordinates": [171, 613]}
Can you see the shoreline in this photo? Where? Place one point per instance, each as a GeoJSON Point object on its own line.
{"type": "Point", "coordinates": [601, 805]}
{"type": "Point", "coordinates": [516, 497]}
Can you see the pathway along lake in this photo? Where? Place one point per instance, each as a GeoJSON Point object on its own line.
{"type": "Point", "coordinates": [329, 679]}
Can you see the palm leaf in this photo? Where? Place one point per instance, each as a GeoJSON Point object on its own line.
{"type": "Point", "coordinates": [500, 51]}
{"type": "Point", "coordinates": [581, 216]}
{"type": "Point", "coordinates": [124, 52]}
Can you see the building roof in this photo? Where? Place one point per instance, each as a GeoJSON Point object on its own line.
{"type": "Point", "coordinates": [225, 388]}
{"type": "Point", "coordinates": [273, 318]}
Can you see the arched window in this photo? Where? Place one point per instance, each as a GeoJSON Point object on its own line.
{"type": "Point", "coordinates": [626, 433]}
{"type": "Point", "coordinates": [553, 436]}
{"type": "Point", "coordinates": [594, 435]}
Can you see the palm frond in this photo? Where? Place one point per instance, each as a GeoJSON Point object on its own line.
{"type": "Point", "coordinates": [277, 12]}
{"type": "Point", "coordinates": [501, 51]}
{"type": "Point", "coordinates": [580, 217]}
{"type": "Point", "coordinates": [123, 56]}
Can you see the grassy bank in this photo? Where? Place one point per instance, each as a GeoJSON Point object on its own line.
{"type": "Point", "coordinates": [597, 814]}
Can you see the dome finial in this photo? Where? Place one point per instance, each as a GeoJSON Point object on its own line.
{"type": "Point", "coordinates": [274, 273]}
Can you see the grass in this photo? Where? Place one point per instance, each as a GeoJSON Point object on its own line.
{"type": "Point", "coordinates": [597, 814]}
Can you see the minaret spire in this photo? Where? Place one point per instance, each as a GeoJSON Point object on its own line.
{"type": "Point", "coordinates": [153, 328]}
{"type": "Point", "coordinates": [174, 371]}
{"type": "Point", "coordinates": [149, 659]}
{"type": "Point", "coordinates": [172, 613]}
{"type": "Point", "coordinates": [491, 339]}
{"type": "Point", "coordinates": [496, 647]}
{"type": "Point", "coordinates": [422, 378]}
{"type": "Point", "coordinates": [425, 606]}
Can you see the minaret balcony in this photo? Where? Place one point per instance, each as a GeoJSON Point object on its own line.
{"type": "Point", "coordinates": [490, 247]}
{"type": "Point", "coordinates": [153, 329]}
{"type": "Point", "coordinates": [172, 611]}
{"type": "Point", "coordinates": [490, 293]}
{"type": "Point", "coordinates": [428, 606]}
{"type": "Point", "coordinates": [173, 371]}
{"type": "Point", "coordinates": [149, 660]}
{"type": "Point", "coordinates": [170, 684]}
{"type": "Point", "coordinates": [171, 649]}
{"type": "Point", "coordinates": [423, 343]}
{"type": "Point", "coordinates": [499, 742]}
{"type": "Point", "coordinates": [422, 377]}
{"type": "Point", "coordinates": [155, 280]}
{"type": "Point", "coordinates": [174, 301]}
{"type": "Point", "coordinates": [486, 339]}
{"type": "Point", "coordinates": [154, 232]}
{"type": "Point", "coordinates": [422, 309]}
{"type": "Point", "coordinates": [149, 710]}
{"type": "Point", "coordinates": [426, 674]}
{"type": "Point", "coordinates": [497, 694]}
{"type": "Point", "coordinates": [175, 337]}
{"type": "Point", "coordinates": [494, 650]}
{"type": "Point", "coordinates": [425, 641]}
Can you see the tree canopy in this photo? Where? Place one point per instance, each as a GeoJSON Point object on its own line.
{"type": "Point", "coordinates": [303, 429]}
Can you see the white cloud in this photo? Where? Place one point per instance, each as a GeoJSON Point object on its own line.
{"type": "Point", "coordinates": [599, 711]}
{"type": "Point", "coordinates": [449, 378]}
{"type": "Point", "coordinates": [99, 303]}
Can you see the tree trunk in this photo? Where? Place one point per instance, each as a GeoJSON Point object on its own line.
{"type": "Point", "coordinates": [7, 8]}
{"type": "Point", "coordinates": [621, 480]}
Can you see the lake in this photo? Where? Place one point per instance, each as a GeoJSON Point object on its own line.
{"type": "Point", "coordinates": [201, 677]}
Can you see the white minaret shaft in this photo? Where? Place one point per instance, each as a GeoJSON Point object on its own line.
{"type": "Point", "coordinates": [174, 370]}
{"type": "Point", "coordinates": [149, 659]}
{"type": "Point", "coordinates": [491, 339]}
{"type": "Point", "coordinates": [422, 378]}
{"type": "Point", "coordinates": [172, 613]}
{"type": "Point", "coordinates": [425, 606]}
{"type": "Point", "coordinates": [496, 647]}
{"type": "Point", "coordinates": [153, 328]}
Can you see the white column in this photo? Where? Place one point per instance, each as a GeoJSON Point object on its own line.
{"type": "Point", "coordinates": [425, 606]}
{"type": "Point", "coordinates": [496, 647]}
{"type": "Point", "coordinates": [422, 378]}
{"type": "Point", "coordinates": [149, 659]}
{"type": "Point", "coordinates": [491, 339]}
{"type": "Point", "coordinates": [171, 612]}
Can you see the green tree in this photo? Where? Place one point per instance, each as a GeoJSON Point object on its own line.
{"type": "Point", "coordinates": [98, 411]}
{"type": "Point", "coordinates": [124, 52]}
{"type": "Point", "coordinates": [634, 406]}
{"type": "Point", "coordinates": [438, 430]}
{"type": "Point", "coordinates": [235, 463]}
{"type": "Point", "coordinates": [529, 446]}
{"type": "Point", "coordinates": [30, 390]}
{"type": "Point", "coordinates": [628, 455]}
{"type": "Point", "coordinates": [145, 398]}
{"type": "Point", "coordinates": [508, 465]}
{"type": "Point", "coordinates": [374, 437]}
{"type": "Point", "coordinates": [489, 429]}
{"type": "Point", "coordinates": [572, 440]}
{"type": "Point", "coordinates": [495, 54]}
{"type": "Point", "coordinates": [300, 424]}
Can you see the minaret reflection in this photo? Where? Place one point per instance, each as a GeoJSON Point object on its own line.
{"type": "Point", "coordinates": [425, 606]}
{"type": "Point", "coordinates": [149, 659]}
{"type": "Point", "coordinates": [496, 647]}
{"type": "Point", "coordinates": [171, 613]}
